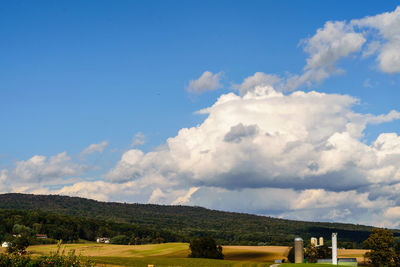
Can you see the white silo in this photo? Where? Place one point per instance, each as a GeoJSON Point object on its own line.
{"type": "Point", "coordinates": [334, 248]}
{"type": "Point", "coordinates": [321, 241]}
{"type": "Point", "coordinates": [298, 250]}
{"type": "Point", "coordinates": [314, 241]}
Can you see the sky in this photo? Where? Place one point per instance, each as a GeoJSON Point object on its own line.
{"type": "Point", "coordinates": [280, 108]}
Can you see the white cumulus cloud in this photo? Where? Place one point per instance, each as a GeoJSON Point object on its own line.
{"type": "Point", "coordinates": [207, 82]}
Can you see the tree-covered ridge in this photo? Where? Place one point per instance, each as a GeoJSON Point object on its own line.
{"type": "Point", "coordinates": [70, 229]}
{"type": "Point", "coordinates": [190, 222]}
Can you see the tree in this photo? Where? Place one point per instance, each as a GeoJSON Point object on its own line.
{"type": "Point", "coordinates": [205, 247]}
{"type": "Point", "coordinates": [311, 253]}
{"type": "Point", "coordinates": [381, 243]}
{"type": "Point", "coordinates": [324, 252]}
{"type": "Point", "coordinates": [120, 239]}
{"type": "Point", "coordinates": [291, 255]}
{"type": "Point", "coordinates": [18, 244]}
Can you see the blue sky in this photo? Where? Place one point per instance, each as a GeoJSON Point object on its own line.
{"type": "Point", "coordinates": [76, 73]}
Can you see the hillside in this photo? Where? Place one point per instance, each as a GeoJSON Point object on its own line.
{"type": "Point", "coordinates": [71, 229]}
{"type": "Point", "coordinates": [189, 222]}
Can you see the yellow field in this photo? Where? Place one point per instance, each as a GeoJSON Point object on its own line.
{"type": "Point", "coordinates": [353, 253]}
{"type": "Point", "coordinates": [255, 253]}
{"type": "Point", "coordinates": [168, 250]}
{"type": "Point", "coordinates": [168, 254]}
{"type": "Point", "coordinates": [176, 254]}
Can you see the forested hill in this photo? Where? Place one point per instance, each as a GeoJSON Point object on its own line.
{"type": "Point", "coordinates": [189, 222]}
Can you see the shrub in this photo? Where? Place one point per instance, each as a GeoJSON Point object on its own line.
{"type": "Point", "coordinates": [18, 244]}
{"type": "Point", "coordinates": [55, 259]}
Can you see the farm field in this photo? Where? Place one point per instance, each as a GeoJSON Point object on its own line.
{"type": "Point", "coordinates": [169, 254]}
{"type": "Point", "coordinates": [175, 254]}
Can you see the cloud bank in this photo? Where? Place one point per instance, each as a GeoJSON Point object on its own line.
{"type": "Point", "coordinates": [268, 149]}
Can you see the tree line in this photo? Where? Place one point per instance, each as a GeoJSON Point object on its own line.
{"type": "Point", "coordinates": [187, 222]}
{"type": "Point", "coordinates": [71, 229]}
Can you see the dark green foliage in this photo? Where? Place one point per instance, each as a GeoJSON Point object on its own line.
{"type": "Point", "coordinates": [120, 239]}
{"type": "Point", "coordinates": [381, 243]}
{"type": "Point", "coordinates": [205, 247]}
{"type": "Point", "coordinates": [18, 244]}
{"type": "Point", "coordinates": [324, 252]}
{"type": "Point", "coordinates": [291, 255]}
{"type": "Point", "coordinates": [26, 224]}
{"type": "Point", "coordinates": [183, 223]}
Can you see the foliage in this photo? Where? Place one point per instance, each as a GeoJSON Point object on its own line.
{"type": "Point", "coordinates": [324, 252]}
{"type": "Point", "coordinates": [55, 259]}
{"type": "Point", "coordinates": [91, 219]}
{"type": "Point", "coordinates": [205, 247]}
{"type": "Point", "coordinates": [18, 244]}
{"type": "Point", "coordinates": [15, 260]}
{"type": "Point", "coordinates": [120, 239]}
{"type": "Point", "coordinates": [311, 253]}
{"type": "Point", "coordinates": [382, 252]}
{"type": "Point", "coordinates": [291, 255]}
{"type": "Point", "coordinates": [26, 224]}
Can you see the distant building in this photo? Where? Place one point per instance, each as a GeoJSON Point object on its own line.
{"type": "Point", "coordinates": [41, 236]}
{"type": "Point", "coordinates": [103, 240]}
{"type": "Point", "coordinates": [5, 244]}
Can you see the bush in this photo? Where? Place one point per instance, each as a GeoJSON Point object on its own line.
{"type": "Point", "coordinates": [15, 260]}
{"type": "Point", "coordinates": [120, 240]}
{"type": "Point", "coordinates": [205, 247]}
{"type": "Point", "coordinates": [18, 244]}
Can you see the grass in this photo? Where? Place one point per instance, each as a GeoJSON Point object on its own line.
{"type": "Point", "coordinates": [186, 262]}
{"type": "Point", "coordinates": [304, 265]}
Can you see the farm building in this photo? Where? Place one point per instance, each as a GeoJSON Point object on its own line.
{"type": "Point", "coordinates": [103, 240]}
{"type": "Point", "coordinates": [340, 261]}
{"type": "Point", "coordinates": [41, 236]}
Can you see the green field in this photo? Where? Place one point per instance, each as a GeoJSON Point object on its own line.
{"type": "Point", "coordinates": [157, 261]}
{"type": "Point", "coordinates": [305, 265]}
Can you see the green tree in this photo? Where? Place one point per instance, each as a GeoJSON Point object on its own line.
{"type": "Point", "coordinates": [120, 240]}
{"type": "Point", "coordinates": [324, 252]}
{"type": "Point", "coordinates": [18, 244]}
{"type": "Point", "coordinates": [205, 247]}
{"type": "Point", "coordinates": [291, 255]}
{"type": "Point", "coordinates": [381, 243]}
